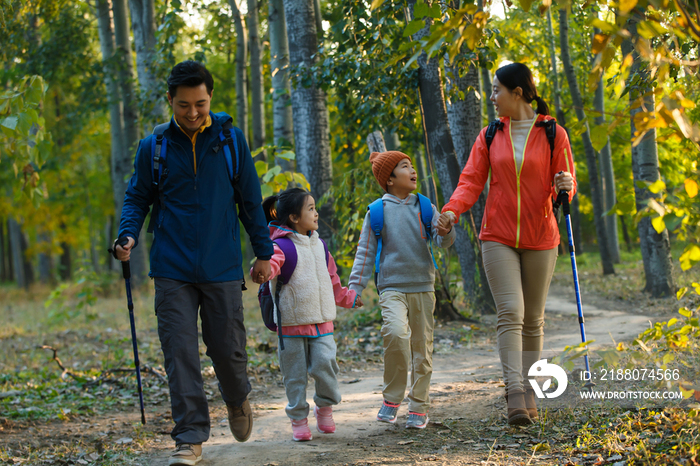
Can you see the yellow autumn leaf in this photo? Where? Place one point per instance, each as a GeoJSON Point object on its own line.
{"type": "Point", "coordinates": [627, 5]}
{"type": "Point", "coordinates": [691, 187]}
{"type": "Point", "coordinates": [658, 224]}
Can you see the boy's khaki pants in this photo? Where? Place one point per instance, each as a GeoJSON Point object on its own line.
{"type": "Point", "coordinates": [408, 343]}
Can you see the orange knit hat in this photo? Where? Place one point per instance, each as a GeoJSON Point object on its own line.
{"type": "Point", "coordinates": [383, 163]}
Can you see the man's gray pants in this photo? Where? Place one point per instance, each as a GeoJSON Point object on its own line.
{"type": "Point", "coordinates": [221, 309]}
{"type": "Point", "coordinates": [315, 357]}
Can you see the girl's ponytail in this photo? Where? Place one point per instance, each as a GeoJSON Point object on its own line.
{"type": "Point", "coordinates": [269, 208]}
{"type": "Point", "coordinates": [542, 107]}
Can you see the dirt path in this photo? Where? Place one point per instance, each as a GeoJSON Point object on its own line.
{"type": "Point", "coordinates": [466, 385]}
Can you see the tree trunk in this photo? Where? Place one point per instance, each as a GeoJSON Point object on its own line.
{"type": "Point", "coordinates": [10, 257]}
{"type": "Point", "coordinates": [561, 120]}
{"type": "Point", "coordinates": [486, 84]}
{"type": "Point", "coordinates": [625, 234]}
{"type": "Point", "coordinates": [441, 148]}
{"type": "Point", "coordinates": [143, 25]}
{"type": "Point", "coordinates": [607, 178]}
{"type": "Point", "coordinates": [318, 17]}
{"type": "Point", "coordinates": [26, 262]}
{"type": "Point", "coordinates": [279, 66]}
{"type": "Point", "coordinates": [241, 68]}
{"type": "Point", "coordinates": [256, 80]}
{"type": "Point", "coordinates": [591, 160]}
{"type": "Point", "coordinates": [464, 116]}
{"type": "Point", "coordinates": [132, 133]}
{"type": "Point", "coordinates": [15, 234]}
{"type": "Point", "coordinates": [3, 253]}
{"type": "Point", "coordinates": [45, 260]}
{"type": "Point", "coordinates": [311, 130]}
{"type": "Point", "coordinates": [655, 247]}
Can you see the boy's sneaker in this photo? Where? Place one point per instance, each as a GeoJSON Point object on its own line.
{"type": "Point", "coordinates": [324, 419]}
{"type": "Point", "coordinates": [388, 412]}
{"type": "Point", "coordinates": [186, 454]}
{"type": "Point", "coordinates": [300, 430]}
{"type": "Point", "coordinates": [417, 420]}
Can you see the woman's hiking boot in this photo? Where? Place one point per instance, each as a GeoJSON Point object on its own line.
{"type": "Point", "coordinates": [517, 411]}
{"type": "Point", "coordinates": [186, 454]}
{"type": "Point", "coordinates": [531, 404]}
{"type": "Point", "coordinates": [300, 430]}
{"type": "Point", "coordinates": [388, 412]}
{"type": "Point", "coordinates": [240, 420]}
{"type": "Point", "coordinates": [324, 419]}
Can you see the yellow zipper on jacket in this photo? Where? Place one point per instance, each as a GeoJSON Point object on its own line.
{"type": "Point", "coordinates": [517, 172]}
{"type": "Point", "coordinates": [207, 123]}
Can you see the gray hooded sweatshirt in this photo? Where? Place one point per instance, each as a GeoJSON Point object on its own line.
{"type": "Point", "coordinates": [405, 264]}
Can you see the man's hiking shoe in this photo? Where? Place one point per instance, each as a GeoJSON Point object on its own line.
{"type": "Point", "coordinates": [388, 412]}
{"type": "Point", "coordinates": [517, 411]}
{"type": "Point", "coordinates": [531, 404]}
{"type": "Point", "coordinates": [417, 420]}
{"type": "Point", "coordinates": [300, 430]}
{"type": "Point", "coordinates": [186, 454]}
{"type": "Point", "coordinates": [240, 420]}
{"type": "Point", "coordinates": [324, 419]}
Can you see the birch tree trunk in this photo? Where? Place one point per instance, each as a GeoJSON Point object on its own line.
{"type": "Point", "coordinates": [279, 66]}
{"type": "Point", "coordinates": [465, 120]}
{"type": "Point", "coordinates": [241, 68]}
{"type": "Point", "coordinates": [607, 178]}
{"type": "Point", "coordinates": [256, 80]}
{"type": "Point", "coordinates": [655, 247]}
{"type": "Point", "coordinates": [152, 88]}
{"type": "Point", "coordinates": [116, 124]}
{"type": "Point", "coordinates": [132, 133]}
{"type": "Point", "coordinates": [311, 130]}
{"type": "Point", "coordinates": [561, 120]}
{"type": "Point", "coordinates": [591, 160]}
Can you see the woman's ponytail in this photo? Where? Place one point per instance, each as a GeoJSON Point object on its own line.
{"type": "Point", "coordinates": [269, 208]}
{"type": "Point", "coordinates": [542, 107]}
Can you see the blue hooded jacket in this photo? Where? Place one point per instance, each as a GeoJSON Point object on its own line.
{"type": "Point", "coordinates": [197, 235]}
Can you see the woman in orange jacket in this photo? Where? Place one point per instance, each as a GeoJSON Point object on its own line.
{"type": "Point", "coordinates": [519, 232]}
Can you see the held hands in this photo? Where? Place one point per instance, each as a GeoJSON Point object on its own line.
{"type": "Point", "coordinates": [445, 223]}
{"type": "Point", "coordinates": [358, 302]}
{"type": "Point", "coordinates": [261, 271]}
{"type": "Point", "coordinates": [563, 181]}
{"type": "Point", "coordinates": [124, 252]}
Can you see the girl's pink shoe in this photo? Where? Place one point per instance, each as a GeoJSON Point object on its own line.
{"type": "Point", "coordinates": [300, 430]}
{"type": "Point", "coordinates": [324, 419]}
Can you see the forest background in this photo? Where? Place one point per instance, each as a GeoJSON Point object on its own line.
{"type": "Point", "coordinates": [308, 81]}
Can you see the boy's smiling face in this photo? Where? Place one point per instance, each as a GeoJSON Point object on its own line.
{"type": "Point", "coordinates": [403, 179]}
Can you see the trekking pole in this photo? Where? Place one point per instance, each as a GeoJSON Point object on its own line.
{"type": "Point", "coordinates": [126, 272]}
{"type": "Point", "coordinates": [563, 200]}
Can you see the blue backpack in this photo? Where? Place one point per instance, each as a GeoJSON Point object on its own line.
{"type": "Point", "coordinates": [159, 152]}
{"type": "Point", "coordinates": [268, 303]}
{"type": "Point", "coordinates": [376, 222]}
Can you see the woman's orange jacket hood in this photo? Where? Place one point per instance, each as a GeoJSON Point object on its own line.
{"type": "Point", "coordinates": [519, 207]}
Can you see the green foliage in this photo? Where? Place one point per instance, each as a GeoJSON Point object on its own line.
{"type": "Point", "coordinates": [24, 138]}
{"type": "Point", "coordinates": [273, 179]}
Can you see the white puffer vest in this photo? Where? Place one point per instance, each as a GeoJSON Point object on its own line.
{"type": "Point", "coordinates": [308, 296]}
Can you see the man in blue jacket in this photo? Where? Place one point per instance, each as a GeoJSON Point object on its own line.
{"type": "Point", "coordinates": [196, 254]}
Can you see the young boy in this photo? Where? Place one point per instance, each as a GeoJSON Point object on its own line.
{"type": "Point", "coordinates": [405, 283]}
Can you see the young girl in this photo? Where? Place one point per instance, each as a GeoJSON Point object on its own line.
{"type": "Point", "coordinates": [307, 305]}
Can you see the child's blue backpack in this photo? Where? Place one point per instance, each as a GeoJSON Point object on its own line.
{"type": "Point", "coordinates": [376, 221]}
{"type": "Point", "coordinates": [266, 300]}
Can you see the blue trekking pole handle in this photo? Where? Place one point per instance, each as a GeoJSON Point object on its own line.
{"type": "Point", "coordinates": [126, 273]}
{"type": "Point", "coordinates": [563, 200]}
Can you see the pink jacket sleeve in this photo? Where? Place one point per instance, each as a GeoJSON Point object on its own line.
{"type": "Point", "coordinates": [344, 297]}
{"type": "Point", "coordinates": [276, 262]}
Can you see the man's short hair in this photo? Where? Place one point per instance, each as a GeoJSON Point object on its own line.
{"type": "Point", "coordinates": [189, 73]}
